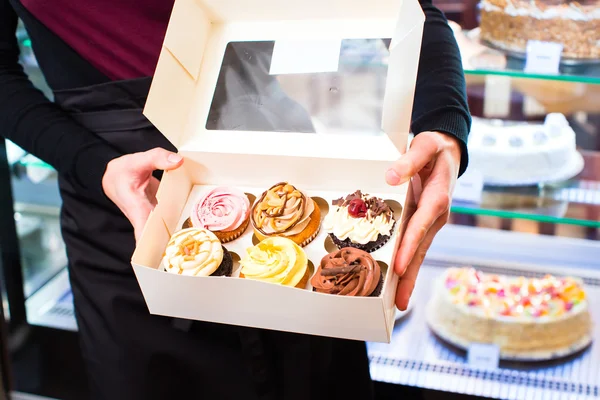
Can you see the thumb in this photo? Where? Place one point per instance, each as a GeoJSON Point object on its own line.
{"type": "Point", "coordinates": [422, 150]}
{"type": "Point", "coordinates": [157, 158]}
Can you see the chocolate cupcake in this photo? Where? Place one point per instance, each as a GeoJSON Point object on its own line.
{"type": "Point", "coordinates": [197, 252]}
{"type": "Point", "coordinates": [348, 272]}
{"type": "Point", "coordinates": [360, 221]}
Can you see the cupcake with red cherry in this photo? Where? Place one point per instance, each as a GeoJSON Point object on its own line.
{"type": "Point", "coordinates": [361, 221]}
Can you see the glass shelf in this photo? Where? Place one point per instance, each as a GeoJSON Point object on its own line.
{"type": "Point", "coordinates": [573, 202]}
{"type": "Point", "coordinates": [480, 59]}
{"type": "Point", "coordinates": [554, 211]}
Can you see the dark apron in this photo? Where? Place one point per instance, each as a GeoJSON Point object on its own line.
{"type": "Point", "coordinates": [131, 354]}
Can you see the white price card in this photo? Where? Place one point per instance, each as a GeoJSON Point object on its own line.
{"type": "Point", "coordinates": [543, 57]}
{"type": "Point", "coordinates": [482, 355]}
{"type": "Point", "coordinates": [305, 56]}
{"type": "Point", "coordinates": [469, 187]}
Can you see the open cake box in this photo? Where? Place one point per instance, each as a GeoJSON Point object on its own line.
{"type": "Point", "coordinates": [326, 166]}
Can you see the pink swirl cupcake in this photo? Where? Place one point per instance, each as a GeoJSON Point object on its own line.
{"type": "Point", "coordinates": [224, 211]}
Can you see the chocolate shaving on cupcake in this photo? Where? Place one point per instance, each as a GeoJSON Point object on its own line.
{"type": "Point", "coordinates": [360, 221]}
{"type": "Point", "coordinates": [348, 272]}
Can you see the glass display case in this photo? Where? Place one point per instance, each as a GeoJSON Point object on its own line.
{"type": "Point", "coordinates": [517, 228]}
{"type": "Point", "coordinates": [513, 228]}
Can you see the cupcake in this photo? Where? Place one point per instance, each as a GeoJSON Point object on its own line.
{"type": "Point", "coordinates": [276, 260]}
{"type": "Point", "coordinates": [360, 221]}
{"type": "Point", "coordinates": [348, 272]}
{"type": "Point", "coordinates": [224, 211]}
{"type": "Point", "coordinates": [197, 252]}
{"type": "Point", "coordinates": [288, 212]}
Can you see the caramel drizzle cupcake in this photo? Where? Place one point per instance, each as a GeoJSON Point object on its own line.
{"type": "Point", "coordinates": [282, 210]}
{"type": "Point", "coordinates": [193, 251]}
{"type": "Point", "coordinates": [348, 272]}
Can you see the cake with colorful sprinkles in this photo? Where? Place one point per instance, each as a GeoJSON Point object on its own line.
{"type": "Point", "coordinates": [528, 318]}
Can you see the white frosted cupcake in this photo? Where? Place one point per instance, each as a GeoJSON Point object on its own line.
{"type": "Point", "coordinates": [360, 221]}
{"type": "Point", "coordinates": [197, 252]}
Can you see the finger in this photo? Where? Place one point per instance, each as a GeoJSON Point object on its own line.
{"type": "Point", "coordinates": [407, 282]}
{"type": "Point", "coordinates": [151, 190]}
{"type": "Point", "coordinates": [156, 158]}
{"type": "Point", "coordinates": [423, 150]}
{"type": "Point", "coordinates": [138, 215]}
{"type": "Point", "coordinates": [434, 202]}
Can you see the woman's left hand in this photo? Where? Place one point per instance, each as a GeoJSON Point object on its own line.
{"type": "Point", "coordinates": [435, 157]}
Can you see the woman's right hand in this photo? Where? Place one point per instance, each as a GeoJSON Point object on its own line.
{"type": "Point", "coordinates": [129, 183]}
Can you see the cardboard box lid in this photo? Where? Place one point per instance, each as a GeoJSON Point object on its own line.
{"type": "Point", "coordinates": [199, 31]}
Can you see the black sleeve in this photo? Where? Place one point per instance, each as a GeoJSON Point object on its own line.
{"type": "Point", "coordinates": [40, 127]}
{"type": "Point", "coordinates": [440, 99]}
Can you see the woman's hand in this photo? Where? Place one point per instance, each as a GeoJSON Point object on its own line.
{"type": "Point", "coordinates": [129, 183]}
{"type": "Point", "coordinates": [435, 157]}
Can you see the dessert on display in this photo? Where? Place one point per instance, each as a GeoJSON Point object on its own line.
{"type": "Point", "coordinates": [224, 211]}
{"type": "Point", "coordinates": [276, 260]}
{"type": "Point", "coordinates": [510, 24]}
{"type": "Point", "coordinates": [348, 272]}
{"type": "Point", "coordinates": [197, 252]}
{"type": "Point", "coordinates": [286, 211]}
{"type": "Point", "coordinates": [524, 153]}
{"type": "Point", "coordinates": [360, 221]}
{"type": "Point", "coordinates": [529, 318]}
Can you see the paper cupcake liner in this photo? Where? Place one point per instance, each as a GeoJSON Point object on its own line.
{"type": "Point", "coordinates": [368, 247]}
{"type": "Point", "coordinates": [226, 267]}
{"type": "Point", "coordinates": [378, 288]}
{"type": "Point", "coordinates": [310, 239]}
{"type": "Point", "coordinates": [226, 237]}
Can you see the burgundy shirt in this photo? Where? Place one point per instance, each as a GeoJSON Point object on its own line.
{"type": "Point", "coordinates": [80, 43]}
{"type": "Point", "coordinates": [121, 38]}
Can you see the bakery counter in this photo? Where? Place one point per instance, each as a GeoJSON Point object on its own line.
{"type": "Point", "coordinates": [417, 357]}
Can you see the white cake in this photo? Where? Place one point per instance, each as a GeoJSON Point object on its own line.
{"type": "Point", "coordinates": [523, 153]}
{"type": "Point", "coordinates": [531, 319]}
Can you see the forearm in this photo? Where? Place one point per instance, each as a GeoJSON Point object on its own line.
{"type": "Point", "coordinates": [31, 121]}
{"type": "Point", "coordinates": [40, 127]}
{"type": "Point", "coordinates": [440, 99]}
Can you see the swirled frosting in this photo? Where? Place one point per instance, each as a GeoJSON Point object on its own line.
{"type": "Point", "coordinates": [276, 260]}
{"type": "Point", "coordinates": [221, 210]}
{"type": "Point", "coordinates": [193, 251]}
{"type": "Point", "coordinates": [347, 272]}
{"type": "Point", "coordinates": [282, 210]}
{"type": "Point", "coordinates": [360, 217]}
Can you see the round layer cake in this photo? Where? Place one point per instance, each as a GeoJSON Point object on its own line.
{"type": "Point", "coordinates": [523, 153]}
{"type": "Point", "coordinates": [510, 24]}
{"type": "Point", "coordinates": [526, 318]}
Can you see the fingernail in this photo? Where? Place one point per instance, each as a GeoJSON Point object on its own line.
{"type": "Point", "coordinates": [392, 177]}
{"type": "Point", "coordinates": [174, 158]}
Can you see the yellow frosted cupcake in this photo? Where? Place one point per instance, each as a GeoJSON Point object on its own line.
{"type": "Point", "coordinates": [276, 260]}
{"type": "Point", "coordinates": [285, 211]}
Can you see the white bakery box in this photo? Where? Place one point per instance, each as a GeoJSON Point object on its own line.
{"type": "Point", "coordinates": [326, 166]}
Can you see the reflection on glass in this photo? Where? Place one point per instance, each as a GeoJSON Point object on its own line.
{"type": "Point", "coordinates": [347, 101]}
